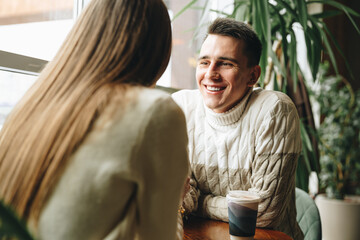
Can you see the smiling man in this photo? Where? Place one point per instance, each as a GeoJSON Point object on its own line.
{"type": "Point", "coordinates": [240, 137]}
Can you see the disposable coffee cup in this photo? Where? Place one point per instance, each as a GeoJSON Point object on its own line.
{"type": "Point", "coordinates": [242, 209]}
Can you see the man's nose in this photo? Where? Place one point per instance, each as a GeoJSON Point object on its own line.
{"type": "Point", "coordinates": [212, 72]}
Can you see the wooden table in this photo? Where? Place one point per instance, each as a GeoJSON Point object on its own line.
{"type": "Point", "coordinates": [196, 228]}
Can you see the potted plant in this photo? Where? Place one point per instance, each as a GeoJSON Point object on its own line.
{"type": "Point", "coordinates": [339, 144]}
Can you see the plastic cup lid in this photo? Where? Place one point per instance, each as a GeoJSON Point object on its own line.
{"type": "Point", "coordinates": [243, 196]}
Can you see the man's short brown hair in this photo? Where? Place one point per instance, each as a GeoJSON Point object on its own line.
{"type": "Point", "coordinates": [242, 31]}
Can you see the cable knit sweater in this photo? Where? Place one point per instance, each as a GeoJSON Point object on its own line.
{"type": "Point", "coordinates": [126, 178]}
{"type": "Point", "coordinates": [254, 146]}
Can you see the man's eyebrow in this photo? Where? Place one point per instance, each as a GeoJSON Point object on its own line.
{"type": "Point", "coordinates": [220, 58]}
{"type": "Point", "coordinates": [203, 57]}
{"type": "Point", "coordinates": [229, 59]}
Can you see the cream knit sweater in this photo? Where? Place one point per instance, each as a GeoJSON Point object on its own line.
{"type": "Point", "coordinates": [126, 179]}
{"type": "Point", "coordinates": [253, 147]}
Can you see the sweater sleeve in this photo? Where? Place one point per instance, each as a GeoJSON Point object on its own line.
{"type": "Point", "coordinates": [165, 165]}
{"type": "Point", "coordinates": [190, 201]}
{"type": "Point", "coordinates": [277, 147]}
{"type": "Point", "coordinates": [214, 207]}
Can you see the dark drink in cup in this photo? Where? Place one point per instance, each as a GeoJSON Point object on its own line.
{"type": "Point", "coordinates": [242, 209]}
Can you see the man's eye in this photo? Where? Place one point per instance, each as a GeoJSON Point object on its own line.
{"type": "Point", "coordinates": [226, 64]}
{"type": "Point", "coordinates": [203, 63]}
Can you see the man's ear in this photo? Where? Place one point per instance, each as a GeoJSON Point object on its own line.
{"type": "Point", "coordinates": [254, 75]}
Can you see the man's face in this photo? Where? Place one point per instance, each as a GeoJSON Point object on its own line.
{"type": "Point", "coordinates": [222, 72]}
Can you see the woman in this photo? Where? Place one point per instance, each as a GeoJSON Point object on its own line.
{"type": "Point", "coordinates": [90, 152]}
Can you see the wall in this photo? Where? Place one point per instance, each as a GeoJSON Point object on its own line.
{"type": "Point", "coordinates": [348, 39]}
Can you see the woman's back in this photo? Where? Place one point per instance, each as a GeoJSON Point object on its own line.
{"type": "Point", "coordinates": [126, 177]}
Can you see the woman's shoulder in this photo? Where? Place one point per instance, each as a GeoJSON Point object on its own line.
{"type": "Point", "coordinates": [141, 103]}
{"type": "Point", "coordinates": [153, 95]}
{"type": "Point", "coordinates": [156, 100]}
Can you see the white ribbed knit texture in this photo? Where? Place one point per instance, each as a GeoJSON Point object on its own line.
{"type": "Point", "coordinates": [253, 147]}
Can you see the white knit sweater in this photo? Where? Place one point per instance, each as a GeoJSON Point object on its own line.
{"type": "Point", "coordinates": [125, 180]}
{"type": "Point", "coordinates": [254, 146]}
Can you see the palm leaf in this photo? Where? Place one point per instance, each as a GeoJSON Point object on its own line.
{"type": "Point", "coordinates": [10, 225]}
{"type": "Point", "coordinates": [303, 15]}
{"type": "Point", "coordinates": [187, 6]}
{"type": "Point", "coordinates": [352, 21]}
{"type": "Point", "coordinates": [327, 14]}
{"type": "Point", "coordinates": [330, 52]}
{"type": "Point", "coordinates": [240, 11]}
{"type": "Point", "coordinates": [293, 60]}
{"type": "Point", "coordinates": [288, 8]}
{"type": "Point", "coordinates": [283, 32]}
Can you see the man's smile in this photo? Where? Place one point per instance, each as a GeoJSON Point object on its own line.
{"type": "Point", "coordinates": [214, 88]}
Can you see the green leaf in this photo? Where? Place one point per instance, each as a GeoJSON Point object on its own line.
{"type": "Point", "coordinates": [309, 47]}
{"type": "Point", "coordinates": [305, 137]}
{"type": "Point", "coordinates": [288, 8]}
{"type": "Point", "coordinates": [11, 225]}
{"type": "Point", "coordinates": [202, 22]}
{"type": "Point", "coordinates": [187, 6]}
{"type": "Point", "coordinates": [283, 32]}
{"type": "Point", "coordinates": [240, 10]}
{"type": "Point", "coordinates": [276, 86]}
{"type": "Point", "coordinates": [257, 18]}
{"type": "Point", "coordinates": [263, 29]}
{"type": "Point", "coordinates": [326, 42]}
{"type": "Point", "coordinates": [352, 21]}
{"type": "Point", "coordinates": [224, 14]}
{"type": "Point", "coordinates": [330, 52]}
{"type": "Point", "coordinates": [306, 159]}
{"type": "Point", "coordinates": [326, 14]}
{"type": "Point", "coordinates": [314, 45]}
{"type": "Point", "coordinates": [262, 7]}
{"type": "Point", "coordinates": [315, 59]}
{"type": "Point", "coordinates": [263, 62]}
{"type": "Point", "coordinates": [277, 63]}
{"type": "Point", "coordinates": [293, 60]}
{"type": "Point", "coordinates": [267, 23]}
{"type": "Point", "coordinates": [303, 15]}
{"type": "Point", "coordinates": [302, 175]}
{"type": "Point", "coordinates": [307, 147]}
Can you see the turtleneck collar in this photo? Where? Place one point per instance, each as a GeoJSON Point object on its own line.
{"type": "Point", "coordinates": [229, 117]}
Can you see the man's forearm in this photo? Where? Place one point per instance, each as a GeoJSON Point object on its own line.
{"type": "Point", "coordinates": [214, 207]}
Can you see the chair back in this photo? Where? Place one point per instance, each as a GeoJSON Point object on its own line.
{"type": "Point", "coordinates": [308, 215]}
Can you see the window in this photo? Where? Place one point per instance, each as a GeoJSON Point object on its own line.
{"type": "Point", "coordinates": [34, 28]}
{"type": "Point", "coordinates": [186, 41]}
{"type": "Point", "coordinates": [31, 32]}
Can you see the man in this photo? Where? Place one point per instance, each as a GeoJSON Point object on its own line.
{"type": "Point", "coordinates": [240, 137]}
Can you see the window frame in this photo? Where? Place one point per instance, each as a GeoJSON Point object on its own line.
{"type": "Point", "coordinates": [18, 63]}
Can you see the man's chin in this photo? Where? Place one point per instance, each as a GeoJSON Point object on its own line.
{"type": "Point", "coordinates": [214, 106]}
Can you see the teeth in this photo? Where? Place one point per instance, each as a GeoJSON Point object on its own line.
{"type": "Point", "coordinates": [213, 88]}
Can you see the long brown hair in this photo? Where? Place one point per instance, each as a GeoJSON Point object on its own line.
{"type": "Point", "coordinates": [114, 43]}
